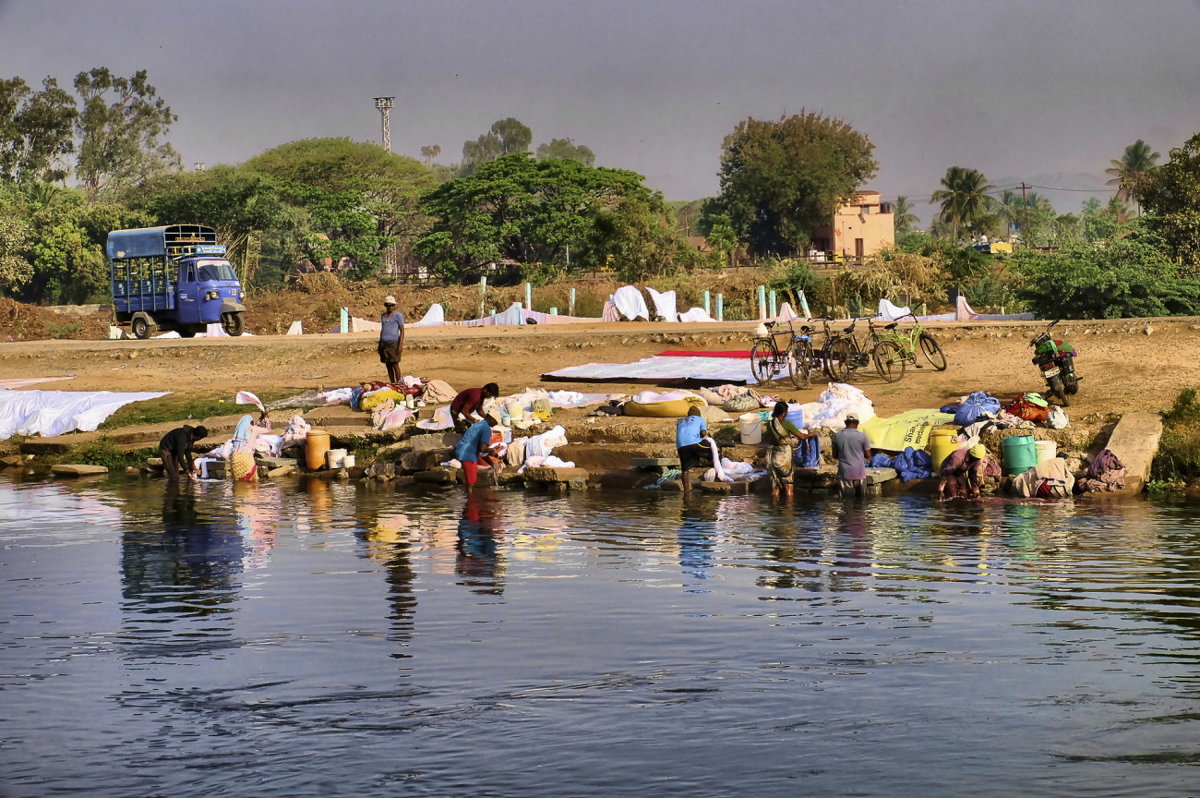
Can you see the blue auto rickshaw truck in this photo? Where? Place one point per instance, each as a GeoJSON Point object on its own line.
{"type": "Point", "coordinates": [174, 277]}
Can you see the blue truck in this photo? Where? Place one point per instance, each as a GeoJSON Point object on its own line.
{"type": "Point", "coordinates": [174, 277]}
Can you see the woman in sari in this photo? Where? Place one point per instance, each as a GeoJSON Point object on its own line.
{"type": "Point", "coordinates": [781, 456]}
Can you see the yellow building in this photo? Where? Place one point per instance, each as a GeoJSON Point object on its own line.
{"type": "Point", "coordinates": [861, 227]}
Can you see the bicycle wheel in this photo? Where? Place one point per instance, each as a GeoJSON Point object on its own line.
{"type": "Point", "coordinates": [838, 356]}
{"type": "Point", "coordinates": [889, 360]}
{"type": "Point", "coordinates": [762, 361]}
{"type": "Point", "coordinates": [933, 352]}
{"type": "Point", "coordinates": [800, 363]}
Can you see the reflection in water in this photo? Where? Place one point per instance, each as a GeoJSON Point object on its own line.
{"type": "Point", "coordinates": [388, 540]}
{"type": "Point", "coordinates": [696, 533]}
{"type": "Point", "coordinates": [479, 561]}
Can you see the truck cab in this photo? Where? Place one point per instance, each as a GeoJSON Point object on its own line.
{"type": "Point", "coordinates": [174, 277]}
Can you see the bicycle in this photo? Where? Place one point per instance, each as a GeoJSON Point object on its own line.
{"type": "Point", "coordinates": [767, 360]}
{"type": "Point", "coordinates": [845, 354]}
{"type": "Point", "coordinates": [894, 349]}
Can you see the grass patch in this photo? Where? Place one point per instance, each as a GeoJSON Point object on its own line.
{"type": "Point", "coordinates": [1178, 457]}
{"type": "Point", "coordinates": [176, 407]}
{"type": "Point", "coordinates": [104, 452]}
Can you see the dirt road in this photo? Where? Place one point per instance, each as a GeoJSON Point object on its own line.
{"type": "Point", "coordinates": [1127, 364]}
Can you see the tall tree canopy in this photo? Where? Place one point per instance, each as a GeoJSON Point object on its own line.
{"type": "Point", "coordinates": [1130, 171]}
{"type": "Point", "coordinates": [781, 179]}
{"type": "Point", "coordinates": [568, 150]}
{"type": "Point", "coordinates": [1172, 194]}
{"type": "Point", "coordinates": [362, 199]}
{"type": "Point", "coordinates": [36, 131]}
{"type": "Point", "coordinates": [965, 202]}
{"type": "Point", "coordinates": [505, 137]}
{"type": "Point", "coordinates": [120, 126]}
{"type": "Point", "coordinates": [527, 210]}
{"type": "Point", "coordinates": [902, 213]}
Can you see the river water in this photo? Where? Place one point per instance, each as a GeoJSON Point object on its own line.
{"type": "Point", "coordinates": [323, 639]}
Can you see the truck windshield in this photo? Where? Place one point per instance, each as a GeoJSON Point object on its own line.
{"type": "Point", "coordinates": [215, 271]}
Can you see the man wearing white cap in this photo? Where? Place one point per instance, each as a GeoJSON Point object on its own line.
{"type": "Point", "coordinates": [391, 337]}
{"type": "Point", "coordinates": [852, 451]}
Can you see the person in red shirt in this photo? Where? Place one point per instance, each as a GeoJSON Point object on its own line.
{"type": "Point", "coordinates": [470, 402]}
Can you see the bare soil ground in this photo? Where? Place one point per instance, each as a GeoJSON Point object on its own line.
{"type": "Point", "coordinates": [1127, 364]}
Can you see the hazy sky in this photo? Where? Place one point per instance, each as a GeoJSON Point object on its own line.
{"type": "Point", "coordinates": [1037, 90]}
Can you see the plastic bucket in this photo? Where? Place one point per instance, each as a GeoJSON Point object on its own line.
{"type": "Point", "coordinates": [1018, 454]}
{"type": "Point", "coordinates": [349, 461]}
{"type": "Point", "coordinates": [751, 428]}
{"type": "Point", "coordinates": [335, 458]}
{"type": "Point", "coordinates": [943, 441]}
{"type": "Point", "coordinates": [316, 444]}
{"type": "Point", "coordinates": [1046, 450]}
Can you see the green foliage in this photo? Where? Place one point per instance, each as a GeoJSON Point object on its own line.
{"type": "Point", "coordinates": [780, 180]}
{"type": "Point", "coordinates": [1178, 457]}
{"type": "Point", "coordinates": [119, 125]}
{"type": "Point", "coordinates": [898, 276]}
{"type": "Point", "coordinates": [1130, 173]}
{"type": "Point", "coordinates": [1172, 194]}
{"type": "Point", "coordinates": [1130, 277]}
{"type": "Point", "coordinates": [566, 149]}
{"type": "Point", "coordinates": [966, 206]}
{"type": "Point", "coordinates": [904, 217]}
{"type": "Point", "coordinates": [505, 137]}
{"type": "Point", "coordinates": [796, 275]}
{"type": "Point", "coordinates": [36, 131]}
{"type": "Point", "coordinates": [528, 211]}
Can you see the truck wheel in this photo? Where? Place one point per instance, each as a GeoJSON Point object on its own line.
{"type": "Point", "coordinates": [140, 327]}
{"type": "Point", "coordinates": [231, 323]}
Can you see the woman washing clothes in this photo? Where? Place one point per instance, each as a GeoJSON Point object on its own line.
{"type": "Point", "coordinates": [964, 472]}
{"type": "Point", "coordinates": [781, 454]}
{"type": "Point", "coordinates": [241, 461]}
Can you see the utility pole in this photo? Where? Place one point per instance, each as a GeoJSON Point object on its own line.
{"type": "Point", "coordinates": [1024, 209]}
{"type": "Point", "coordinates": [385, 105]}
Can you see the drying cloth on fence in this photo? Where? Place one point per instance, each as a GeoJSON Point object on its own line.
{"type": "Point", "coordinates": [434, 317]}
{"type": "Point", "coordinates": [973, 406]}
{"type": "Point", "coordinates": [664, 304]}
{"type": "Point", "coordinates": [50, 413]}
{"type": "Point", "coordinates": [890, 312]}
{"type": "Point", "coordinates": [898, 432]}
{"type": "Point", "coordinates": [514, 314]}
{"type": "Point", "coordinates": [659, 370]}
{"type": "Point", "coordinates": [628, 300]}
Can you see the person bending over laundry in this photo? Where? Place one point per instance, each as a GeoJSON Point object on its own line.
{"type": "Point", "coordinates": [473, 446]}
{"type": "Point", "coordinates": [391, 338]}
{"type": "Point", "coordinates": [469, 403]}
{"type": "Point", "coordinates": [963, 473]}
{"type": "Point", "coordinates": [175, 449]}
{"type": "Point", "coordinates": [852, 451]}
{"type": "Point", "coordinates": [689, 443]}
{"type": "Point", "coordinates": [781, 456]}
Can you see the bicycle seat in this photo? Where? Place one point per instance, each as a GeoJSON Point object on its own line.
{"type": "Point", "coordinates": [849, 329]}
{"type": "Point", "coordinates": [891, 326]}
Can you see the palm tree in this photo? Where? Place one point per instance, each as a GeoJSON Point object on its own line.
{"type": "Point", "coordinates": [1118, 210]}
{"type": "Point", "coordinates": [965, 201]}
{"type": "Point", "coordinates": [1009, 212]}
{"type": "Point", "coordinates": [903, 216]}
{"type": "Point", "coordinates": [1130, 172]}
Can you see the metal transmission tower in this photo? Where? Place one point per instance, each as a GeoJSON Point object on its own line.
{"type": "Point", "coordinates": [385, 105]}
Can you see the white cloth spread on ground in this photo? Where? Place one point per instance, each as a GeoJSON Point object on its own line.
{"type": "Point", "coordinates": [664, 304]}
{"type": "Point", "coordinates": [696, 314]}
{"type": "Point", "coordinates": [650, 397]}
{"type": "Point", "coordinates": [628, 300]}
{"type": "Point", "coordinates": [50, 413]}
{"type": "Point", "coordinates": [441, 420]}
{"type": "Point", "coordinates": [434, 317]}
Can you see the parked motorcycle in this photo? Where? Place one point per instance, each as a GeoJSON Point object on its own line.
{"type": "Point", "coordinates": [1056, 360]}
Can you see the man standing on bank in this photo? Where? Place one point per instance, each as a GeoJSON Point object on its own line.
{"type": "Point", "coordinates": [852, 451]}
{"type": "Point", "coordinates": [391, 338]}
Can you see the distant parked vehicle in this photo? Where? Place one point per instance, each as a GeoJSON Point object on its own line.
{"type": "Point", "coordinates": [174, 277]}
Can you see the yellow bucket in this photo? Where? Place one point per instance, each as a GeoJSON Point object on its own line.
{"type": "Point", "coordinates": [316, 444]}
{"type": "Point", "coordinates": [943, 441]}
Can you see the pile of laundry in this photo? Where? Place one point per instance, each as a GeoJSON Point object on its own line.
{"type": "Point", "coordinates": [979, 411]}
{"type": "Point", "coordinates": [521, 410]}
{"type": "Point", "coordinates": [525, 451]}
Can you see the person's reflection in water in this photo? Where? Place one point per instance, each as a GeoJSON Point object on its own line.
{"type": "Point", "coordinates": [258, 507]}
{"type": "Point", "coordinates": [185, 575]}
{"type": "Point", "coordinates": [387, 542]}
{"type": "Point", "coordinates": [853, 558]}
{"type": "Point", "coordinates": [696, 530]}
{"type": "Point", "coordinates": [478, 559]}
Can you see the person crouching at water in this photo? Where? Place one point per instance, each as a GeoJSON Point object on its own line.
{"type": "Point", "coordinates": [852, 451]}
{"type": "Point", "coordinates": [391, 338]}
{"type": "Point", "coordinates": [964, 472]}
{"type": "Point", "coordinates": [473, 447]}
{"type": "Point", "coordinates": [689, 444]}
{"type": "Point", "coordinates": [469, 403]}
{"type": "Point", "coordinates": [781, 456]}
{"type": "Point", "coordinates": [175, 449]}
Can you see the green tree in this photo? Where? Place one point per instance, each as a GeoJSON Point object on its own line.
{"type": "Point", "coordinates": [16, 236]}
{"type": "Point", "coordinates": [1172, 194]}
{"type": "Point", "coordinates": [505, 137]}
{"type": "Point", "coordinates": [1130, 171]}
{"type": "Point", "coordinates": [722, 238]}
{"type": "Point", "coordinates": [904, 217]}
{"type": "Point", "coordinates": [568, 150]}
{"type": "Point", "coordinates": [1009, 210]}
{"type": "Point", "coordinates": [780, 180]}
{"type": "Point", "coordinates": [430, 152]}
{"type": "Point", "coordinates": [361, 199]}
{"type": "Point", "coordinates": [965, 202]}
{"type": "Point", "coordinates": [518, 208]}
{"type": "Point", "coordinates": [36, 131]}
